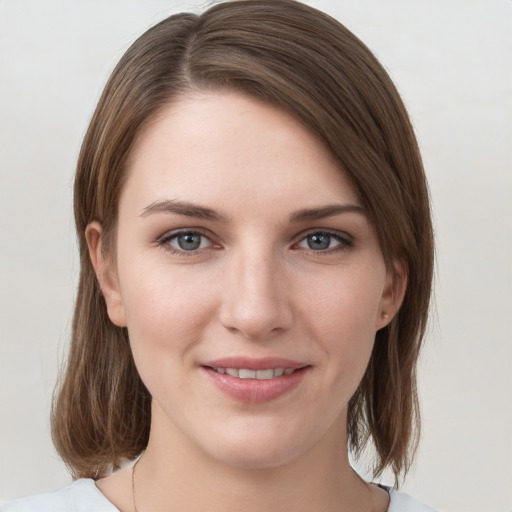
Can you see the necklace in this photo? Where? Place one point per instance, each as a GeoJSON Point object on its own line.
{"type": "Point", "coordinates": [133, 484]}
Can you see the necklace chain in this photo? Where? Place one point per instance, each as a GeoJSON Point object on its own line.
{"type": "Point", "coordinates": [133, 484]}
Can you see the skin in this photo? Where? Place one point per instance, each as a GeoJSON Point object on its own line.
{"type": "Point", "coordinates": [255, 287]}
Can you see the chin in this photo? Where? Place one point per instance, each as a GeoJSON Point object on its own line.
{"type": "Point", "coordinates": [257, 457]}
{"type": "Point", "coordinates": [263, 448]}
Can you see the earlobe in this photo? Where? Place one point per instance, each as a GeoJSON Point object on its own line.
{"type": "Point", "coordinates": [393, 295]}
{"type": "Point", "coordinates": [106, 274]}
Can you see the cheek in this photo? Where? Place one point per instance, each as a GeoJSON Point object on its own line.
{"type": "Point", "coordinates": [346, 304]}
{"type": "Point", "coordinates": [342, 320]}
{"type": "Point", "coordinates": [166, 307]}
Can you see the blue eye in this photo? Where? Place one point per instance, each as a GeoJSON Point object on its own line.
{"type": "Point", "coordinates": [322, 241]}
{"type": "Point", "coordinates": [189, 241]}
{"type": "Point", "coordinates": [186, 241]}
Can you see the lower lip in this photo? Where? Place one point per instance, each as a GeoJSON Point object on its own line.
{"type": "Point", "coordinates": [255, 391]}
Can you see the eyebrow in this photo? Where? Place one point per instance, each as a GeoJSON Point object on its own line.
{"type": "Point", "coordinates": [183, 208]}
{"type": "Point", "coordinates": [325, 211]}
{"type": "Point", "coordinates": [201, 212]}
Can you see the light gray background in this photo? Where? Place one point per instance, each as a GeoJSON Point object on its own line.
{"type": "Point", "coordinates": [451, 60]}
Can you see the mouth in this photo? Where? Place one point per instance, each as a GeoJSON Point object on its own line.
{"type": "Point", "coordinates": [255, 380]}
{"type": "Point", "coordinates": [245, 373]}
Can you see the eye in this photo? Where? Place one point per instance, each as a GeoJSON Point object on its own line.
{"type": "Point", "coordinates": [323, 241]}
{"type": "Point", "coordinates": [185, 241]}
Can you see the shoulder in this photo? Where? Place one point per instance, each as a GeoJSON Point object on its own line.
{"type": "Point", "coordinates": [402, 502]}
{"type": "Point", "coordinates": [81, 496]}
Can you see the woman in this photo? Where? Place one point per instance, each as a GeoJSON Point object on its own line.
{"type": "Point", "coordinates": [256, 263]}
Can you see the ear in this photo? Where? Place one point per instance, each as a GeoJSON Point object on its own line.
{"type": "Point", "coordinates": [106, 274]}
{"type": "Point", "coordinates": [393, 294]}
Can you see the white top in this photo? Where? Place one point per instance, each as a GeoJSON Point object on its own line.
{"type": "Point", "coordinates": [83, 496]}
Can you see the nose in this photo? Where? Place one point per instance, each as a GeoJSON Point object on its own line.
{"type": "Point", "coordinates": [255, 300]}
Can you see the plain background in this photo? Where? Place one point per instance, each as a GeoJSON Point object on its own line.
{"type": "Point", "coordinates": [451, 60]}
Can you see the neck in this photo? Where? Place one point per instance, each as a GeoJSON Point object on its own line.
{"type": "Point", "coordinates": [174, 474]}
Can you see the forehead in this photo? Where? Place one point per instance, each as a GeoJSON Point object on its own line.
{"type": "Point", "coordinates": [219, 146]}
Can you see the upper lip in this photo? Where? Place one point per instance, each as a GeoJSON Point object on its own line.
{"type": "Point", "coordinates": [249, 363]}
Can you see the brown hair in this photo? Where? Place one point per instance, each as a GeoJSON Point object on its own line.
{"type": "Point", "coordinates": [301, 60]}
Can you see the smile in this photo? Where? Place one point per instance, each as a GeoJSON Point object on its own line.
{"type": "Point", "coordinates": [263, 381]}
{"type": "Point", "coordinates": [244, 373]}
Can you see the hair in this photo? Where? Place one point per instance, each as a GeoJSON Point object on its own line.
{"type": "Point", "coordinates": [301, 60]}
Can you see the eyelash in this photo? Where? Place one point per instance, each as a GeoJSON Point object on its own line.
{"type": "Point", "coordinates": [345, 242]}
{"type": "Point", "coordinates": [164, 242]}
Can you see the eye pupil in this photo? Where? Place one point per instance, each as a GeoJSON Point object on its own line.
{"type": "Point", "coordinates": [189, 241]}
{"type": "Point", "coordinates": [319, 241]}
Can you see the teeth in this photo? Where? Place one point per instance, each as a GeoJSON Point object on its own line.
{"type": "Point", "coordinates": [243, 373]}
{"type": "Point", "coordinates": [265, 374]}
{"type": "Point", "coordinates": [246, 374]}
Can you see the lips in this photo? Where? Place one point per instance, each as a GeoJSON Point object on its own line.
{"type": "Point", "coordinates": [255, 380]}
{"type": "Point", "coordinates": [245, 373]}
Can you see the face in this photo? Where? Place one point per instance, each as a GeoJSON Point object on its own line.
{"type": "Point", "coordinates": [249, 279]}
